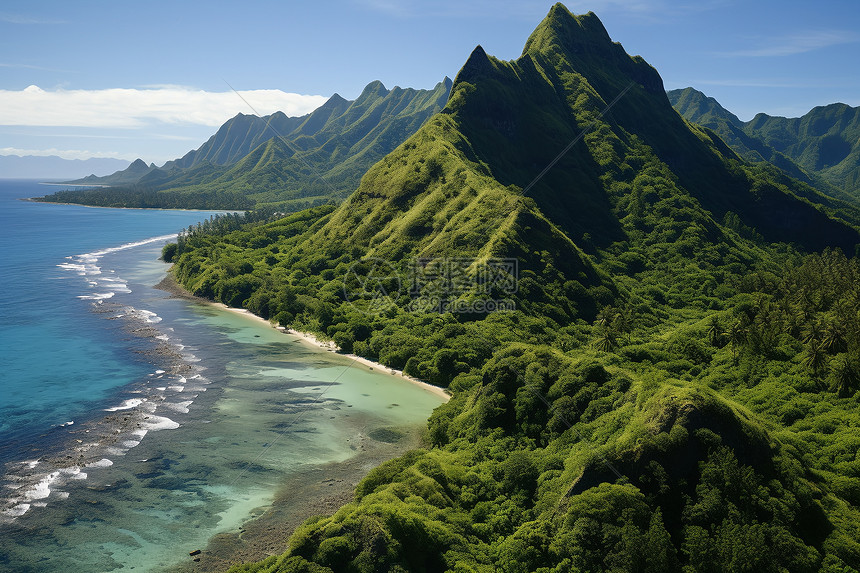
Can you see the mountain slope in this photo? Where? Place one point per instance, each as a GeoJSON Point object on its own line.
{"type": "Point", "coordinates": [659, 397]}
{"type": "Point", "coordinates": [825, 140]}
{"type": "Point", "coordinates": [276, 160]}
{"type": "Point", "coordinates": [820, 148]}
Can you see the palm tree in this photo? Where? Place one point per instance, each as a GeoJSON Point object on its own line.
{"type": "Point", "coordinates": [605, 317]}
{"type": "Point", "coordinates": [834, 339]}
{"type": "Point", "coordinates": [622, 323]}
{"type": "Point", "coordinates": [812, 332]}
{"type": "Point", "coordinates": [845, 377]}
{"type": "Point", "coordinates": [737, 334]}
{"type": "Point", "coordinates": [607, 340]}
{"type": "Point", "coordinates": [815, 358]}
{"type": "Point", "coordinates": [715, 331]}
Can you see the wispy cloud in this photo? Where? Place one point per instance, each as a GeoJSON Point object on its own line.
{"type": "Point", "coordinates": [797, 44]}
{"type": "Point", "coordinates": [139, 108]}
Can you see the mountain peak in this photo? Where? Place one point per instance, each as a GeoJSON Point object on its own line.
{"type": "Point", "coordinates": [336, 100]}
{"type": "Point", "coordinates": [374, 89]}
{"type": "Point", "coordinates": [577, 34]}
{"type": "Point", "coordinates": [477, 65]}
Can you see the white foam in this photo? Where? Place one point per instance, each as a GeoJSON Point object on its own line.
{"type": "Point", "coordinates": [131, 443]}
{"type": "Point", "coordinates": [102, 463]}
{"type": "Point", "coordinates": [130, 245]}
{"type": "Point", "coordinates": [18, 510]}
{"type": "Point", "coordinates": [147, 315]}
{"type": "Point", "coordinates": [181, 407]}
{"type": "Point", "coordinates": [155, 423]}
{"type": "Point", "coordinates": [159, 371]}
{"type": "Point", "coordinates": [97, 296]}
{"type": "Point", "coordinates": [176, 388]}
{"type": "Point", "coordinates": [42, 489]}
{"type": "Point", "coordinates": [127, 405]}
{"type": "Point", "coordinates": [73, 472]}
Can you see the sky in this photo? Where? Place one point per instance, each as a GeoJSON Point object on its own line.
{"type": "Point", "coordinates": [155, 79]}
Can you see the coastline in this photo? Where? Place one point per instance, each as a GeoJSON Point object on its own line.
{"type": "Point", "coordinates": [316, 491]}
{"type": "Point", "coordinates": [170, 285]}
{"type": "Point", "coordinates": [36, 200]}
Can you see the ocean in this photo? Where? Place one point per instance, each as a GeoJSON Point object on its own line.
{"type": "Point", "coordinates": [136, 426]}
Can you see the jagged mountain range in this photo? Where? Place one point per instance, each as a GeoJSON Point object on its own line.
{"type": "Point", "coordinates": [822, 146]}
{"type": "Point", "coordinates": [284, 160]}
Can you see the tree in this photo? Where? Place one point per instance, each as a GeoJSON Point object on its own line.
{"type": "Point", "coordinates": [715, 331]}
{"type": "Point", "coordinates": [815, 358]}
{"type": "Point", "coordinates": [606, 341]}
{"type": "Point", "coordinates": [737, 334]}
{"type": "Point", "coordinates": [844, 376]}
{"type": "Point", "coordinates": [834, 339]}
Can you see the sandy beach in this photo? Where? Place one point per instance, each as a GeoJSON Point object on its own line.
{"type": "Point", "coordinates": [169, 284]}
{"type": "Point", "coordinates": [317, 491]}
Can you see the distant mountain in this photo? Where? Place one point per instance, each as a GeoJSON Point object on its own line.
{"type": "Point", "coordinates": [290, 162]}
{"type": "Point", "coordinates": [129, 175]}
{"type": "Point", "coordinates": [53, 167]}
{"type": "Point", "coordinates": [822, 146]}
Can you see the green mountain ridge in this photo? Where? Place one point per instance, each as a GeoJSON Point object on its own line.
{"type": "Point", "coordinates": [821, 148]}
{"type": "Point", "coordinates": [277, 161]}
{"type": "Point", "coordinates": [675, 388]}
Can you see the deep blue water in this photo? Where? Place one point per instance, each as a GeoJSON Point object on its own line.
{"type": "Point", "coordinates": [58, 360]}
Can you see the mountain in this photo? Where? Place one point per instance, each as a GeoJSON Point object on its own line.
{"type": "Point", "coordinates": [671, 383]}
{"type": "Point", "coordinates": [53, 167]}
{"type": "Point", "coordinates": [825, 140]}
{"type": "Point", "coordinates": [821, 148]}
{"type": "Point", "coordinates": [288, 162]}
{"type": "Point", "coordinates": [131, 174]}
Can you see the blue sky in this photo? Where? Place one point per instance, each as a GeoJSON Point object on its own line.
{"type": "Point", "coordinates": [150, 79]}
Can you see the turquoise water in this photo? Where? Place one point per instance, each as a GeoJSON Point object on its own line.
{"type": "Point", "coordinates": [133, 425]}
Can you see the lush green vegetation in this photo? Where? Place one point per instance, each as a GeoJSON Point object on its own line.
{"type": "Point", "coordinates": [275, 161]}
{"type": "Point", "coordinates": [677, 386]}
{"type": "Point", "coordinates": [821, 148]}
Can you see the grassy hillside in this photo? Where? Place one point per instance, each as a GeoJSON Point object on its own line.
{"type": "Point", "coordinates": [672, 384]}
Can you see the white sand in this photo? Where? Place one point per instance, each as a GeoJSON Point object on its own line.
{"type": "Point", "coordinates": [309, 338]}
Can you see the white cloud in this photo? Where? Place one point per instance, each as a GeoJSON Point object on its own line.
{"type": "Point", "coordinates": [798, 44]}
{"type": "Point", "coordinates": [138, 108]}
